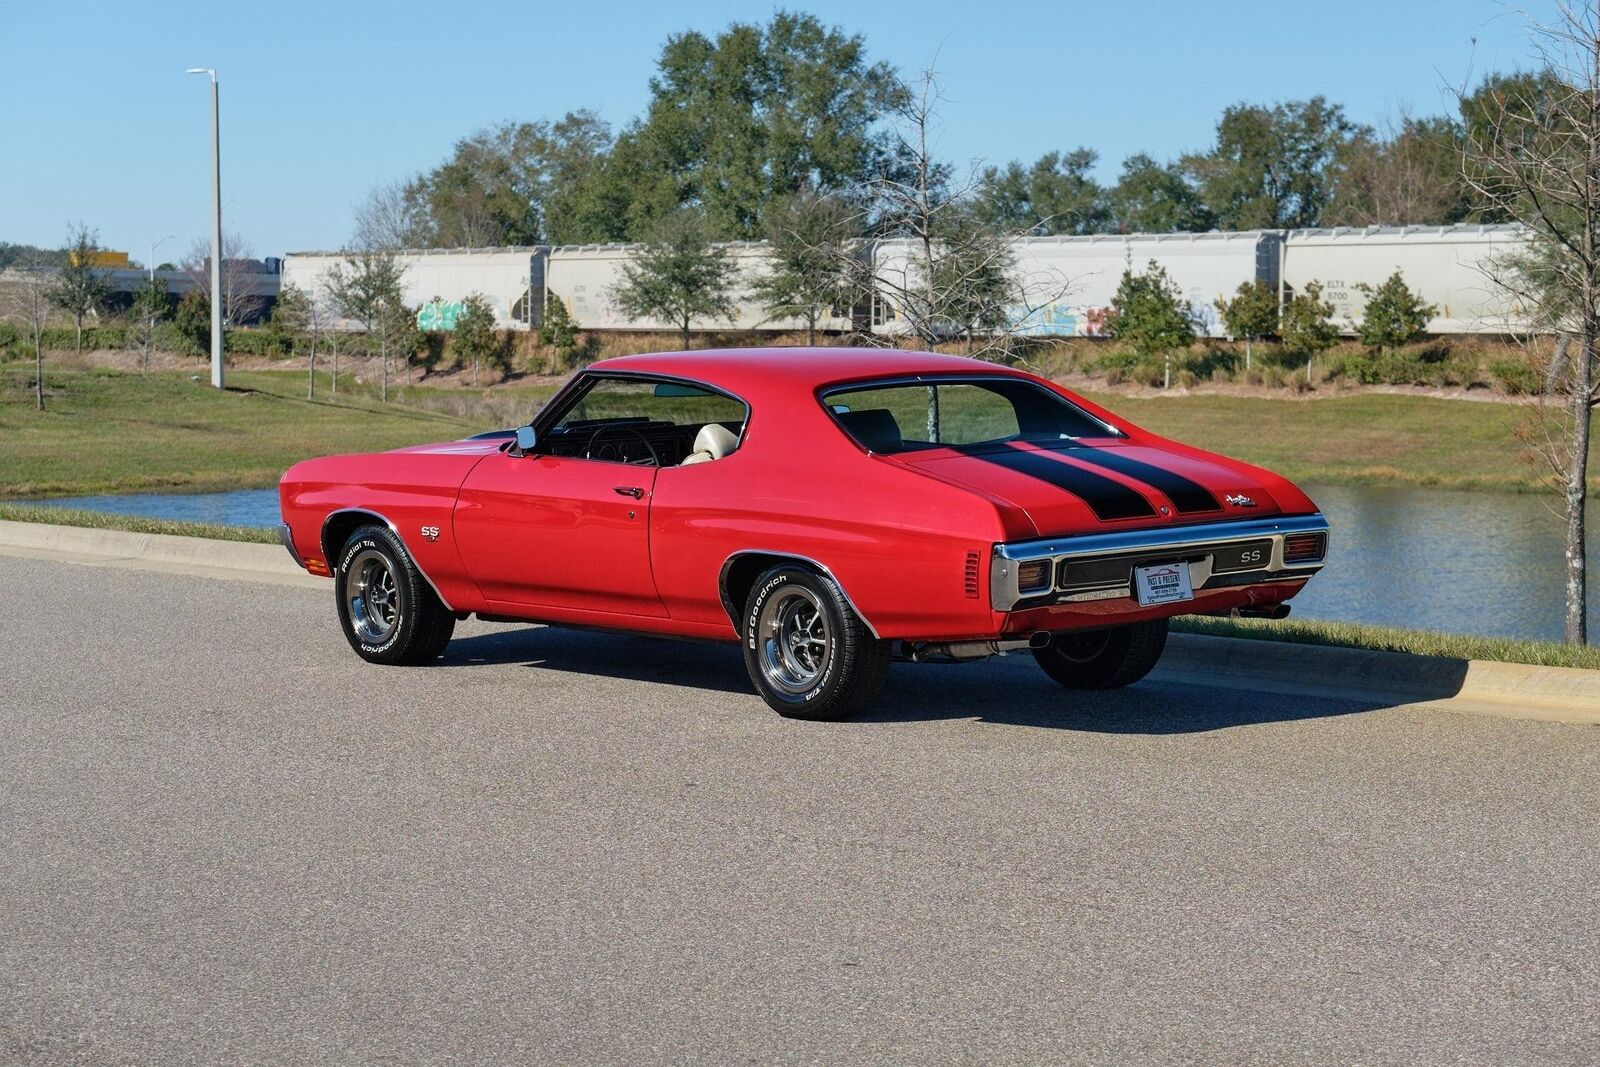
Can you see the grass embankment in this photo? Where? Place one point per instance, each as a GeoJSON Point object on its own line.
{"type": "Point", "coordinates": [106, 431]}
{"type": "Point", "coordinates": [1383, 639]}
{"type": "Point", "coordinates": [101, 520]}
{"type": "Point", "coordinates": [1362, 439]}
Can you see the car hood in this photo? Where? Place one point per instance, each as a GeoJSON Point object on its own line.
{"type": "Point", "coordinates": [1081, 487]}
{"type": "Point", "coordinates": [469, 447]}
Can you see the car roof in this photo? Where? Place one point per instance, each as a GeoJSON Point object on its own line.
{"type": "Point", "coordinates": [741, 370]}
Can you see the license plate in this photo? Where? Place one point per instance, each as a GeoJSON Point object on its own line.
{"type": "Point", "coordinates": [1165, 583]}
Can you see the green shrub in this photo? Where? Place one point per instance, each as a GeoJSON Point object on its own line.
{"type": "Point", "coordinates": [1308, 323]}
{"type": "Point", "coordinates": [1252, 313]}
{"type": "Point", "coordinates": [1122, 359]}
{"type": "Point", "coordinates": [1149, 313]}
{"type": "Point", "coordinates": [192, 320]}
{"type": "Point", "coordinates": [266, 343]}
{"type": "Point", "coordinates": [558, 331]}
{"type": "Point", "coordinates": [1394, 315]}
{"type": "Point", "coordinates": [1214, 362]}
{"type": "Point", "coordinates": [1517, 377]}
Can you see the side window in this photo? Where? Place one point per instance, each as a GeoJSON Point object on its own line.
{"type": "Point", "coordinates": [653, 423]}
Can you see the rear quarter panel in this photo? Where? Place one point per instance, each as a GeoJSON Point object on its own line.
{"type": "Point", "coordinates": [896, 540]}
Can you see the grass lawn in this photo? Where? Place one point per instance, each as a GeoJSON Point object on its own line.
{"type": "Point", "coordinates": [108, 431]}
{"type": "Point", "coordinates": [105, 431]}
{"type": "Point", "coordinates": [1366, 438]}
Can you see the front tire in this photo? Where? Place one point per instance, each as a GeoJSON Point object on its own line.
{"type": "Point", "coordinates": [1104, 659]}
{"type": "Point", "coordinates": [808, 653]}
{"type": "Point", "coordinates": [389, 612]}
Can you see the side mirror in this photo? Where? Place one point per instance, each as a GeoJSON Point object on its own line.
{"type": "Point", "coordinates": [525, 441]}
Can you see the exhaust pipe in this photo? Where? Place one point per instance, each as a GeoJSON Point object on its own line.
{"type": "Point", "coordinates": [960, 651]}
{"type": "Point", "coordinates": [1253, 611]}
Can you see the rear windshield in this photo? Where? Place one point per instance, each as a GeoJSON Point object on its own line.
{"type": "Point", "coordinates": [904, 417]}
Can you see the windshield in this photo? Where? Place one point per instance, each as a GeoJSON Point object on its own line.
{"type": "Point", "coordinates": [905, 416]}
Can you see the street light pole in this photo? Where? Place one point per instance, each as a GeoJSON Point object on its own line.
{"type": "Point", "coordinates": [155, 245]}
{"type": "Point", "coordinates": [216, 232]}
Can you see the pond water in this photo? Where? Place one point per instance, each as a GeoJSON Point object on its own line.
{"type": "Point", "coordinates": [1475, 563]}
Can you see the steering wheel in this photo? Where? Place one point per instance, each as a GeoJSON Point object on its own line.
{"type": "Point", "coordinates": [601, 431]}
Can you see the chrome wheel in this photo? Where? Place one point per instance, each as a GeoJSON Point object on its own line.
{"type": "Point", "coordinates": [373, 596]}
{"type": "Point", "coordinates": [796, 646]}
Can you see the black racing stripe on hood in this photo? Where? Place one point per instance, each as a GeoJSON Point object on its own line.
{"type": "Point", "coordinates": [1186, 495]}
{"type": "Point", "coordinates": [1108, 499]}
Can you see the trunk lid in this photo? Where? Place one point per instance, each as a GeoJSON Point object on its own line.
{"type": "Point", "coordinates": [1086, 486]}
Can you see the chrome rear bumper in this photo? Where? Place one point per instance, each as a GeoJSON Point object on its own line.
{"type": "Point", "coordinates": [1105, 553]}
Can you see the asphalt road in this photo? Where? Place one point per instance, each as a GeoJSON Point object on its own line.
{"type": "Point", "coordinates": [225, 839]}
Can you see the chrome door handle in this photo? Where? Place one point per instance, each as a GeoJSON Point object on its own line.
{"type": "Point", "coordinates": [630, 490]}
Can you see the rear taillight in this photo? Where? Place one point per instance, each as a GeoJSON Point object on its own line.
{"type": "Point", "coordinates": [1304, 547]}
{"type": "Point", "coordinates": [1033, 576]}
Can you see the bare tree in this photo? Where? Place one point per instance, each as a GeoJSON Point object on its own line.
{"type": "Point", "coordinates": [390, 217]}
{"type": "Point", "coordinates": [1538, 158]}
{"type": "Point", "coordinates": [809, 235]}
{"type": "Point", "coordinates": [28, 295]}
{"type": "Point", "coordinates": [242, 276]}
{"type": "Point", "coordinates": [296, 313]}
{"type": "Point", "coordinates": [1407, 173]}
{"type": "Point", "coordinates": [150, 306]}
{"type": "Point", "coordinates": [944, 269]}
{"type": "Point", "coordinates": [367, 287]}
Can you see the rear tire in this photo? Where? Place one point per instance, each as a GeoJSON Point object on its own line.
{"type": "Point", "coordinates": [1104, 659]}
{"type": "Point", "coordinates": [389, 612]}
{"type": "Point", "coordinates": [808, 653]}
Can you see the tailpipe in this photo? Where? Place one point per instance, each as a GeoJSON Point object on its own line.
{"type": "Point", "coordinates": [961, 651]}
{"type": "Point", "coordinates": [1261, 611]}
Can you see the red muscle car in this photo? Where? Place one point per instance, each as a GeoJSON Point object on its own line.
{"type": "Point", "coordinates": [829, 509]}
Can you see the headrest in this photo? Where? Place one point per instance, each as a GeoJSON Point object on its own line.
{"type": "Point", "coordinates": [716, 439]}
{"type": "Point", "coordinates": [875, 428]}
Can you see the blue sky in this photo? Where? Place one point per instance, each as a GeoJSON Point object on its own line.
{"type": "Point", "coordinates": [322, 100]}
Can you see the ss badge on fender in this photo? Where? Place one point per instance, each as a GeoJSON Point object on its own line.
{"type": "Point", "coordinates": [430, 533]}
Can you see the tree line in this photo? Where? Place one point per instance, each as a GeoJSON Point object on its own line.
{"type": "Point", "coordinates": [741, 121]}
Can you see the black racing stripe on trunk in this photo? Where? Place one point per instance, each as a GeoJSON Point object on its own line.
{"type": "Point", "coordinates": [1109, 499]}
{"type": "Point", "coordinates": [1186, 495]}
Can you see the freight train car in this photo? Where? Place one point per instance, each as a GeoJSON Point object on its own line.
{"type": "Point", "coordinates": [1065, 285]}
{"type": "Point", "coordinates": [1451, 267]}
{"type": "Point", "coordinates": [585, 277]}
{"type": "Point", "coordinates": [437, 280]}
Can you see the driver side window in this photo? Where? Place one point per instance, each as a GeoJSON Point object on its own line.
{"type": "Point", "coordinates": [649, 423]}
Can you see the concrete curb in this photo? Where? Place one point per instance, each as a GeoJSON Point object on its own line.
{"type": "Point", "coordinates": [160, 552]}
{"type": "Point", "coordinates": [1556, 694]}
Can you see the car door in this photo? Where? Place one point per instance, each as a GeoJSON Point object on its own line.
{"type": "Point", "coordinates": [559, 531]}
{"type": "Point", "coordinates": [564, 531]}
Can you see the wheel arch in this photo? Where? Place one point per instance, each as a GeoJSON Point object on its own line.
{"type": "Point", "coordinates": [342, 522]}
{"type": "Point", "coordinates": [741, 569]}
